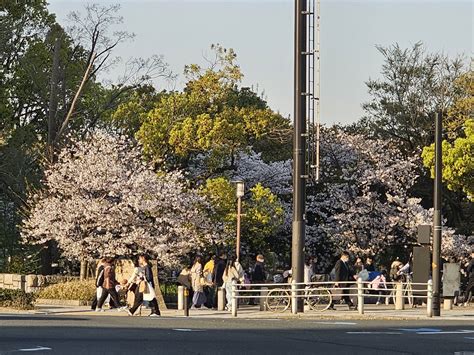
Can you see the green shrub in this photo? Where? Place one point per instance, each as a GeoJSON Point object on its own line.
{"type": "Point", "coordinates": [18, 299]}
{"type": "Point", "coordinates": [72, 290]}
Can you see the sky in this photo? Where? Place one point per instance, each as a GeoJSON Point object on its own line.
{"type": "Point", "coordinates": [261, 33]}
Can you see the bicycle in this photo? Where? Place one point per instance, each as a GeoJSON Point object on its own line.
{"type": "Point", "coordinates": [316, 298]}
{"type": "Point", "coordinates": [407, 292]}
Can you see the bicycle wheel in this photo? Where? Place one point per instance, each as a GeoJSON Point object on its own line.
{"type": "Point", "coordinates": [278, 300]}
{"type": "Point", "coordinates": [318, 299]}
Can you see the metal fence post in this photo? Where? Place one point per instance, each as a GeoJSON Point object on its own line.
{"type": "Point", "coordinates": [180, 298]}
{"type": "Point", "coordinates": [234, 298]}
{"type": "Point", "coordinates": [262, 300]}
{"type": "Point", "coordinates": [399, 300]}
{"type": "Point", "coordinates": [360, 296]}
{"type": "Point", "coordinates": [220, 298]}
{"type": "Point", "coordinates": [185, 303]}
{"type": "Point", "coordinates": [294, 298]}
{"type": "Point", "coordinates": [429, 300]}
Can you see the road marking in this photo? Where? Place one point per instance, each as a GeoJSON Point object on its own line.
{"type": "Point", "coordinates": [337, 323]}
{"type": "Point", "coordinates": [423, 330]}
{"type": "Point", "coordinates": [38, 348]}
{"type": "Point", "coordinates": [398, 333]}
{"type": "Point", "coordinates": [448, 332]}
{"type": "Point", "coordinates": [188, 330]}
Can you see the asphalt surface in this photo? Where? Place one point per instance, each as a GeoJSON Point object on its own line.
{"type": "Point", "coordinates": [57, 334]}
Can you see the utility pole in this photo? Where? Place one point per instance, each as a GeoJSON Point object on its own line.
{"type": "Point", "coordinates": [299, 145]}
{"type": "Point", "coordinates": [437, 228]}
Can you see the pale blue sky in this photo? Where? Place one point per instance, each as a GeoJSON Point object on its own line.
{"type": "Point", "coordinates": [261, 32]}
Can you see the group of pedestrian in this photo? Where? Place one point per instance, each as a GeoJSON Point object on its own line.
{"type": "Point", "coordinates": [204, 279]}
{"type": "Point", "coordinates": [203, 282]}
{"type": "Point", "coordinates": [139, 288]}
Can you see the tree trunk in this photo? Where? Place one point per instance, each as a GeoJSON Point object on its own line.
{"type": "Point", "coordinates": [83, 274]}
{"type": "Point", "coordinates": [159, 295]}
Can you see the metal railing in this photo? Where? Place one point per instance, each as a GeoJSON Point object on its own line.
{"type": "Point", "coordinates": [319, 296]}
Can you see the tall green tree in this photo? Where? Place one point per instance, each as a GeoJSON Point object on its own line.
{"type": "Point", "coordinates": [414, 85]}
{"type": "Point", "coordinates": [213, 118]}
{"type": "Point", "coordinates": [458, 161]}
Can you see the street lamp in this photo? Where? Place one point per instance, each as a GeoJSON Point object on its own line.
{"type": "Point", "coordinates": [240, 192]}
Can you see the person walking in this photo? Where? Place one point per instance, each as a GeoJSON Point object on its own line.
{"type": "Point", "coordinates": [342, 273]}
{"type": "Point", "coordinates": [208, 273]}
{"type": "Point", "coordinates": [308, 270]}
{"type": "Point", "coordinates": [233, 272]}
{"type": "Point", "coordinates": [358, 265]}
{"type": "Point", "coordinates": [379, 285]}
{"type": "Point", "coordinates": [470, 284]}
{"type": "Point", "coordinates": [394, 269]}
{"type": "Point", "coordinates": [197, 282]}
{"type": "Point", "coordinates": [258, 275]}
{"type": "Point", "coordinates": [146, 289]}
{"type": "Point", "coordinates": [99, 280]}
{"type": "Point", "coordinates": [133, 283]}
{"type": "Point", "coordinates": [369, 264]}
{"type": "Point", "coordinates": [108, 286]}
{"type": "Point", "coordinates": [218, 272]}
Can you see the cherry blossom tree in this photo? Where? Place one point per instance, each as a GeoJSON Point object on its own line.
{"type": "Point", "coordinates": [363, 201]}
{"type": "Point", "coordinates": [101, 199]}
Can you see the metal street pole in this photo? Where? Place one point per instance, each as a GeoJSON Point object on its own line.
{"type": "Point", "coordinates": [240, 192]}
{"type": "Point", "coordinates": [299, 146]}
{"type": "Point", "coordinates": [437, 228]}
{"type": "Point", "coordinates": [239, 211]}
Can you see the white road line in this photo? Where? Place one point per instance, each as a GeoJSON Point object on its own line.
{"type": "Point", "coordinates": [448, 332]}
{"type": "Point", "coordinates": [397, 333]}
{"type": "Point", "coordinates": [38, 348]}
{"type": "Point", "coordinates": [337, 323]}
{"type": "Point", "coordinates": [423, 330]}
{"type": "Point", "coordinates": [188, 330]}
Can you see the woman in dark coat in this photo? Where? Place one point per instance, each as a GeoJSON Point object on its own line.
{"type": "Point", "coordinates": [148, 291]}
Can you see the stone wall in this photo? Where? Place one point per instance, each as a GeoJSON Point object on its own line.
{"type": "Point", "coordinates": [31, 283]}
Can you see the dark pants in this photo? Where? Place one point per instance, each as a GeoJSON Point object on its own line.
{"type": "Point", "coordinates": [256, 301]}
{"type": "Point", "coordinates": [155, 309]}
{"type": "Point", "coordinates": [95, 301]}
{"type": "Point", "coordinates": [345, 295]}
{"type": "Point", "coordinates": [114, 298]}
{"type": "Point", "coordinates": [209, 292]}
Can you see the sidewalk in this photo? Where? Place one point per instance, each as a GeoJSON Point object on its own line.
{"type": "Point", "coordinates": [246, 312]}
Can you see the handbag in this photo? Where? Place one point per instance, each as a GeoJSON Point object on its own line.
{"type": "Point", "coordinates": [143, 287]}
{"type": "Point", "coordinates": [150, 294]}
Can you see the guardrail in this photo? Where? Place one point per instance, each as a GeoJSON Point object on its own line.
{"type": "Point", "coordinates": [319, 296]}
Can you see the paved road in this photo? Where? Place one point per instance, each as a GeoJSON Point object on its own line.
{"type": "Point", "coordinates": [56, 334]}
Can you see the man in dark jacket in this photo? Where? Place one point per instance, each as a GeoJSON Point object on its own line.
{"type": "Point", "coordinates": [343, 272]}
{"type": "Point", "coordinates": [258, 275]}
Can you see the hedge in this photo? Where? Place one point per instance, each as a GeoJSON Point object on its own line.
{"type": "Point", "coordinates": [72, 290]}
{"type": "Point", "coordinates": [18, 299]}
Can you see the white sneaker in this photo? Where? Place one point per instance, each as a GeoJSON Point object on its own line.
{"type": "Point", "coordinates": [378, 303]}
{"type": "Point", "coordinates": [154, 315]}
{"type": "Point", "coordinates": [99, 310]}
